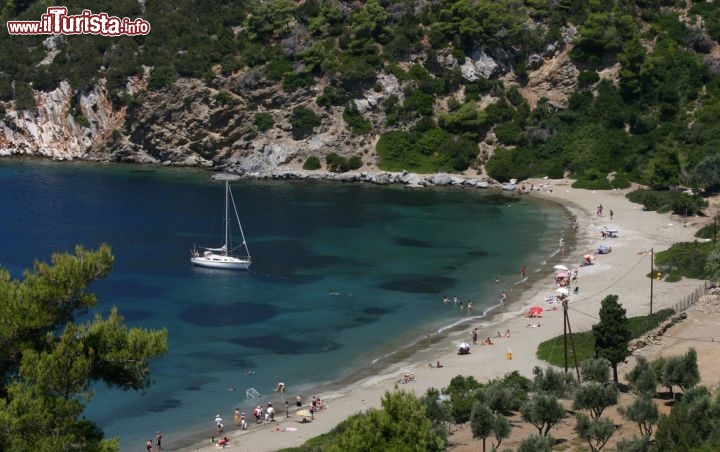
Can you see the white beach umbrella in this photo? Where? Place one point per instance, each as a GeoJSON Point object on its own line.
{"type": "Point", "coordinates": [562, 290]}
{"type": "Point", "coordinates": [560, 267]}
{"type": "Point", "coordinates": [463, 345]}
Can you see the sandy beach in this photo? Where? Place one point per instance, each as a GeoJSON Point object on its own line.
{"type": "Point", "coordinates": [621, 272]}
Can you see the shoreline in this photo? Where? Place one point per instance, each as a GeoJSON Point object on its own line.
{"type": "Point", "coordinates": [619, 272]}
{"type": "Point", "coordinates": [388, 366]}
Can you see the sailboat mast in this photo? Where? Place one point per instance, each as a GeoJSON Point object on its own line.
{"type": "Point", "coordinates": [227, 220]}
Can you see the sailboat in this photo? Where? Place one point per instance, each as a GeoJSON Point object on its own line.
{"type": "Point", "coordinates": [226, 256]}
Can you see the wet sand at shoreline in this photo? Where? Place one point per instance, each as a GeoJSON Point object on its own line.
{"type": "Point", "coordinates": [622, 272]}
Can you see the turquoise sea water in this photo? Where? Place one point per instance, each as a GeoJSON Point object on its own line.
{"type": "Point", "coordinates": [390, 254]}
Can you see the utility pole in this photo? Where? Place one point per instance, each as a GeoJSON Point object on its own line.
{"type": "Point", "coordinates": [567, 330]}
{"type": "Point", "coordinates": [652, 276]}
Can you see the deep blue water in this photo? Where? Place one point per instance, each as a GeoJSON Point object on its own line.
{"type": "Point", "coordinates": [390, 253]}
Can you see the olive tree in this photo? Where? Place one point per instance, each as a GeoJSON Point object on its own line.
{"type": "Point", "coordinates": [679, 371]}
{"type": "Point", "coordinates": [642, 378]}
{"type": "Point", "coordinates": [644, 413]}
{"type": "Point", "coordinates": [595, 398]}
{"type": "Point", "coordinates": [543, 411]}
{"type": "Point", "coordinates": [596, 432]}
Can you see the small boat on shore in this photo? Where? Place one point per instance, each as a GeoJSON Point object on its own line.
{"type": "Point", "coordinates": [225, 257]}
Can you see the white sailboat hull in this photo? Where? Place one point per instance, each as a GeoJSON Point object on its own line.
{"type": "Point", "coordinates": [221, 257]}
{"type": "Point", "coordinates": [219, 261]}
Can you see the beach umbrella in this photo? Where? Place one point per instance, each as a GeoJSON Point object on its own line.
{"type": "Point", "coordinates": [561, 274]}
{"type": "Point", "coordinates": [303, 413]}
{"type": "Point", "coordinates": [562, 290]}
{"type": "Point", "coordinates": [536, 310]}
{"type": "Point", "coordinates": [560, 267]}
{"type": "Point", "coordinates": [463, 345]}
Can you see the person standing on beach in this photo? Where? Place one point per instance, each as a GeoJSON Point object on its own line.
{"type": "Point", "coordinates": [158, 440]}
{"type": "Point", "coordinates": [611, 214]}
{"type": "Point", "coordinates": [475, 335]}
{"type": "Point", "coordinates": [523, 272]}
{"type": "Point", "coordinates": [236, 416]}
{"type": "Point", "coordinates": [287, 409]}
{"type": "Point", "coordinates": [218, 423]}
{"type": "Point", "coordinates": [298, 401]}
{"type": "Point", "coordinates": [503, 297]}
{"type": "Point", "coordinates": [148, 444]}
{"type": "Point", "coordinates": [462, 308]}
{"type": "Point", "coordinates": [469, 306]}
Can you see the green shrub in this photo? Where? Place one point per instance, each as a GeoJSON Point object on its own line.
{"type": "Point", "coordinates": [355, 120]}
{"type": "Point", "coordinates": [685, 259]}
{"type": "Point", "coordinates": [510, 133]}
{"type": "Point", "coordinates": [592, 184]}
{"type": "Point", "coordinates": [161, 77]}
{"type": "Point", "coordinates": [303, 121]}
{"type": "Point", "coordinates": [506, 164]}
{"type": "Point", "coordinates": [296, 80]}
{"type": "Point", "coordinates": [264, 121]}
{"type": "Point", "coordinates": [311, 163]}
{"type": "Point", "coordinates": [668, 201]}
{"type": "Point", "coordinates": [419, 103]}
{"type": "Point", "coordinates": [588, 78]}
{"type": "Point", "coordinates": [339, 164]}
{"type": "Point", "coordinates": [278, 69]}
{"type": "Point", "coordinates": [332, 96]}
{"type": "Point", "coordinates": [620, 181]}
{"type": "Point", "coordinates": [354, 162]}
{"type": "Point", "coordinates": [24, 98]}
{"type": "Point", "coordinates": [224, 98]}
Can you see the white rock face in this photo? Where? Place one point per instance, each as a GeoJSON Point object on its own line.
{"type": "Point", "coordinates": [468, 71]}
{"type": "Point", "coordinates": [49, 130]}
{"type": "Point", "coordinates": [481, 65]}
{"type": "Point", "coordinates": [485, 65]}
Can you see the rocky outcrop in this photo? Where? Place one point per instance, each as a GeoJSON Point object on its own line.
{"type": "Point", "coordinates": [410, 180]}
{"type": "Point", "coordinates": [212, 124]}
{"type": "Point", "coordinates": [51, 130]}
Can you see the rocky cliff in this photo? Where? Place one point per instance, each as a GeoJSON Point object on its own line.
{"type": "Point", "coordinates": [190, 123]}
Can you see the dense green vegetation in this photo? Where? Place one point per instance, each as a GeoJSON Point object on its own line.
{"type": "Point", "coordinates": [684, 260]}
{"type": "Point", "coordinates": [668, 201]}
{"type": "Point", "coordinates": [48, 361]}
{"type": "Point", "coordinates": [654, 122]}
{"type": "Point", "coordinates": [553, 352]}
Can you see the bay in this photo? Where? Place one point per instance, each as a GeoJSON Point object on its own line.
{"type": "Point", "coordinates": [342, 275]}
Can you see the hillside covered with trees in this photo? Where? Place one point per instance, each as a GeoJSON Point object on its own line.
{"type": "Point", "coordinates": [432, 85]}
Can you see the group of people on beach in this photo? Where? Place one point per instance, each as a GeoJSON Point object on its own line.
{"type": "Point", "coordinates": [263, 414]}
{"type": "Point", "coordinates": [488, 341]}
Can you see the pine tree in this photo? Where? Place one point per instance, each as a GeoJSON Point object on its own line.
{"type": "Point", "coordinates": [48, 361]}
{"type": "Point", "coordinates": [612, 334]}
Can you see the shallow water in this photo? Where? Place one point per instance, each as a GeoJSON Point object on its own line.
{"type": "Point", "coordinates": [343, 274]}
